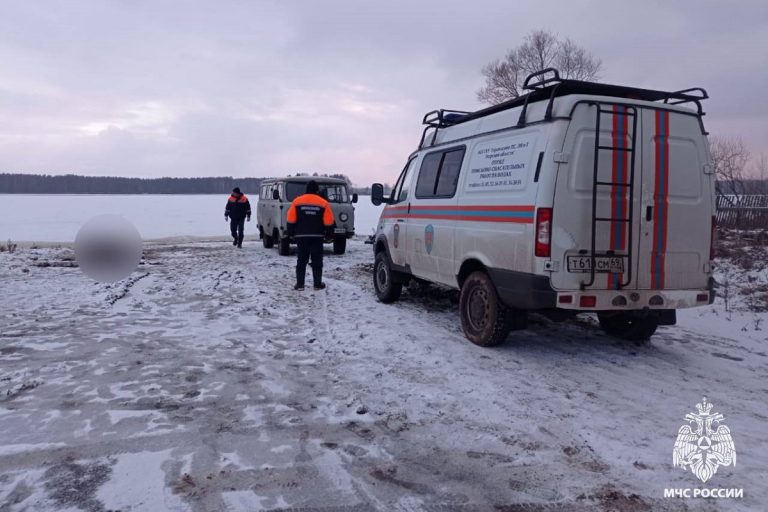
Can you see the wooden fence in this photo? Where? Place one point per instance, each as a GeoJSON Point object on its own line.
{"type": "Point", "coordinates": [742, 212]}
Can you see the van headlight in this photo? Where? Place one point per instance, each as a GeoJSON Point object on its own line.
{"type": "Point", "coordinates": [343, 217]}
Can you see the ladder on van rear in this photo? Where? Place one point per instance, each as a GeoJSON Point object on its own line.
{"type": "Point", "coordinates": [622, 149]}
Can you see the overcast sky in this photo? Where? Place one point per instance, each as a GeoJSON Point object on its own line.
{"type": "Point", "coordinates": [257, 88]}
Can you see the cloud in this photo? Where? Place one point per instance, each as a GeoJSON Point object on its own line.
{"type": "Point", "coordinates": [267, 88]}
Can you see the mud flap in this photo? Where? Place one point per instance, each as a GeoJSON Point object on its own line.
{"type": "Point", "coordinates": [668, 317]}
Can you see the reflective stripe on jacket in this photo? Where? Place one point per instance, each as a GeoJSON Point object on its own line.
{"type": "Point", "coordinates": [309, 215]}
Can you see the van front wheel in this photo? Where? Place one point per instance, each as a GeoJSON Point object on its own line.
{"type": "Point", "coordinates": [339, 245]}
{"type": "Point", "coordinates": [484, 318]}
{"type": "Point", "coordinates": [387, 290]}
{"type": "Point", "coordinates": [628, 326]}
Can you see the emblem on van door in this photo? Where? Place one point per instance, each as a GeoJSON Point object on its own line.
{"type": "Point", "coordinates": [429, 237]}
{"type": "Point", "coordinates": [703, 448]}
{"type": "Point", "coordinates": [396, 234]}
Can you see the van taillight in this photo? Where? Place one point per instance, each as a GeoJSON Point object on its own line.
{"type": "Point", "coordinates": [543, 232]}
{"type": "Point", "coordinates": [713, 239]}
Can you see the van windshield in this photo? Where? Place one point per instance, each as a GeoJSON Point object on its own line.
{"type": "Point", "coordinates": [332, 192]}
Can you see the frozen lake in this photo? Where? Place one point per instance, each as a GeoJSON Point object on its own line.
{"type": "Point", "coordinates": [57, 218]}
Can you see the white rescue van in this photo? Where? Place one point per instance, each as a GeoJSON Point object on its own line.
{"type": "Point", "coordinates": [577, 196]}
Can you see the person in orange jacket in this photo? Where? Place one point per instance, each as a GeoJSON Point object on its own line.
{"type": "Point", "coordinates": [237, 210]}
{"type": "Point", "coordinates": [310, 221]}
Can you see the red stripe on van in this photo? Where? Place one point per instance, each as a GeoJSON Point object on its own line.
{"type": "Point", "coordinates": [619, 199]}
{"type": "Point", "coordinates": [660, 200]}
{"type": "Point", "coordinates": [472, 208]}
{"type": "Point", "coordinates": [476, 218]}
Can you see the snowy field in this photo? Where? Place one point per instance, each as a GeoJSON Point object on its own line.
{"type": "Point", "coordinates": [205, 383]}
{"type": "Point", "coordinates": [57, 218]}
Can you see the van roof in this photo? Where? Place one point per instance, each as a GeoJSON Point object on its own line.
{"type": "Point", "coordinates": [306, 179]}
{"type": "Point", "coordinates": [551, 98]}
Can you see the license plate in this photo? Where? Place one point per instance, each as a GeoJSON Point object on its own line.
{"type": "Point", "coordinates": [340, 230]}
{"type": "Point", "coordinates": [603, 264]}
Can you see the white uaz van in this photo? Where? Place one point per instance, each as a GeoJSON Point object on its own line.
{"type": "Point", "coordinates": [577, 196]}
{"type": "Point", "coordinates": [275, 198]}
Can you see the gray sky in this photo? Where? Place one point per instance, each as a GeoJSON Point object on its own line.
{"type": "Point", "coordinates": [257, 88]}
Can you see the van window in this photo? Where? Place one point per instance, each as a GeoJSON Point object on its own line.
{"type": "Point", "coordinates": [449, 173]}
{"type": "Point", "coordinates": [439, 174]}
{"type": "Point", "coordinates": [430, 166]}
{"type": "Point", "coordinates": [332, 192]}
{"type": "Point", "coordinates": [403, 185]}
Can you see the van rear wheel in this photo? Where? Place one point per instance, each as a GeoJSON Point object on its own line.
{"type": "Point", "coordinates": [267, 240]}
{"type": "Point", "coordinates": [484, 318]}
{"type": "Point", "coordinates": [339, 245]}
{"type": "Point", "coordinates": [387, 290]}
{"type": "Point", "coordinates": [628, 326]}
{"type": "Point", "coordinates": [284, 246]}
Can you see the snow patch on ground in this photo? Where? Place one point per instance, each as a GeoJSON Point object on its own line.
{"type": "Point", "coordinates": [210, 384]}
{"type": "Point", "coordinates": [138, 484]}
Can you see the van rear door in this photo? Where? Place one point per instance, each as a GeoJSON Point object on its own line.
{"type": "Point", "coordinates": [595, 199]}
{"type": "Point", "coordinates": [677, 204]}
{"type": "Point", "coordinates": [632, 200]}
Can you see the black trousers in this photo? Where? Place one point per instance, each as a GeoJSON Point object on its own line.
{"type": "Point", "coordinates": [237, 227]}
{"type": "Point", "coordinates": [306, 248]}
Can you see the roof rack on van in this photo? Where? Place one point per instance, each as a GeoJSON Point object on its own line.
{"type": "Point", "coordinates": [548, 85]}
{"type": "Point", "coordinates": [440, 119]}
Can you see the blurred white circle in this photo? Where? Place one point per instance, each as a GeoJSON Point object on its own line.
{"type": "Point", "coordinates": [108, 248]}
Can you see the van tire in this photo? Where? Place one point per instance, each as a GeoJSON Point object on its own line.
{"type": "Point", "coordinates": [339, 245]}
{"type": "Point", "coordinates": [485, 320]}
{"type": "Point", "coordinates": [628, 326]}
{"type": "Point", "coordinates": [284, 246]}
{"type": "Point", "coordinates": [267, 240]}
{"type": "Point", "coordinates": [387, 289]}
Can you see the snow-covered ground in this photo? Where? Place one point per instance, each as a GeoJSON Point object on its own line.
{"type": "Point", "coordinates": [57, 218]}
{"type": "Point", "coordinates": [204, 382]}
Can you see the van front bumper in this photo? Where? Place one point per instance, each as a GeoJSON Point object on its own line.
{"type": "Point", "coordinates": [629, 300]}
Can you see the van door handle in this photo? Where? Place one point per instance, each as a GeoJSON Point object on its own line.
{"type": "Point", "coordinates": [648, 213]}
{"type": "Point", "coordinates": [400, 220]}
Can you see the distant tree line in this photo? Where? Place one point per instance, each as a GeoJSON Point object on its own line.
{"type": "Point", "coordinates": [73, 184]}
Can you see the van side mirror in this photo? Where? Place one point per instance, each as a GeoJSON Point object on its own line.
{"type": "Point", "coordinates": [354, 198]}
{"type": "Point", "coordinates": [377, 194]}
{"type": "Point", "coordinates": [276, 195]}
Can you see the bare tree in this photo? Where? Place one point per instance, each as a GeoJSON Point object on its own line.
{"type": "Point", "coordinates": [760, 174]}
{"type": "Point", "coordinates": [540, 49]}
{"type": "Point", "coordinates": [729, 158]}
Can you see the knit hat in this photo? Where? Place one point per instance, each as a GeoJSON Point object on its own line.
{"type": "Point", "coordinates": [236, 190]}
{"type": "Point", "coordinates": [312, 187]}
